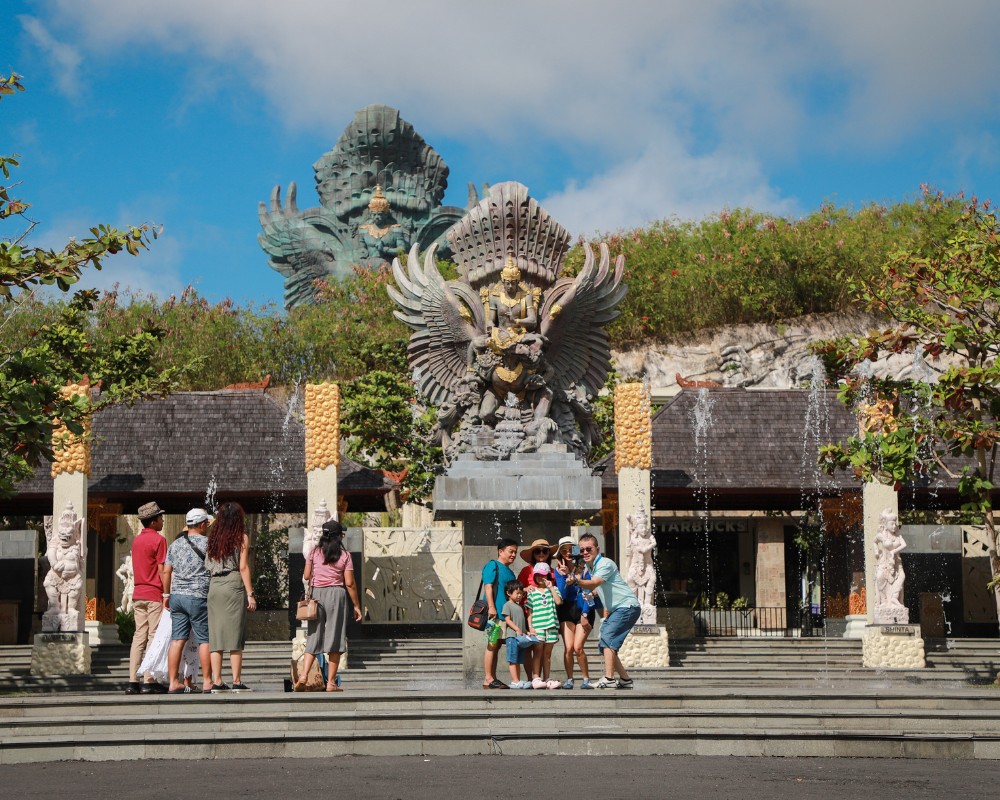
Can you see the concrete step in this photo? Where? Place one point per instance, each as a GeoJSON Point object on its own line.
{"type": "Point", "coordinates": [954, 724]}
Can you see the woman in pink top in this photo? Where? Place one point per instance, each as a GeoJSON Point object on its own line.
{"type": "Point", "coordinates": [331, 576]}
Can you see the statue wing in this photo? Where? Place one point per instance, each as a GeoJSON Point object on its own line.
{"type": "Point", "coordinates": [573, 317]}
{"type": "Point", "coordinates": [445, 316]}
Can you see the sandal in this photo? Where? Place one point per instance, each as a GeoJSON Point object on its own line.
{"type": "Point", "coordinates": [332, 687]}
{"type": "Point", "coordinates": [495, 684]}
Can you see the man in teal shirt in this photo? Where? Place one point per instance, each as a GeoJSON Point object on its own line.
{"type": "Point", "coordinates": [621, 607]}
{"type": "Point", "coordinates": [496, 573]}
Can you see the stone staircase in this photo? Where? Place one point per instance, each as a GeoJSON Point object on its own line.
{"type": "Point", "coordinates": [792, 697]}
{"type": "Point", "coordinates": [885, 722]}
{"type": "Point", "coordinates": [428, 664]}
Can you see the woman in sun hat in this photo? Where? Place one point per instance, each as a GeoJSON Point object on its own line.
{"type": "Point", "coordinates": [538, 552]}
{"type": "Point", "coordinates": [575, 614]}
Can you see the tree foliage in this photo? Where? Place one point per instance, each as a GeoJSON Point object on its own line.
{"type": "Point", "coordinates": [745, 266]}
{"type": "Point", "coordinates": [36, 361]}
{"type": "Point", "coordinates": [943, 301]}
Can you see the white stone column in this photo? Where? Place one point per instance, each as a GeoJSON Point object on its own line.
{"type": "Point", "coordinates": [322, 422]}
{"type": "Point", "coordinates": [876, 498]}
{"type": "Point", "coordinates": [66, 651]}
{"type": "Point", "coordinates": [648, 645]}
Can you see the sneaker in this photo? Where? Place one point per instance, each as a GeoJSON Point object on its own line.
{"type": "Point", "coordinates": [606, 683]}
{"type": "Point", "coordinates": [586, 684]}
{"type": "Point", "coordinates": [521, 685]}
{"type": "Point", "coordinates": [568, 684]}
{"type": "Point", "coordinates": [240, 687]}
{"type": "Point", "coordinates": [537, 683]}
{"type": "Point", "coordinates": [553, 684]}
{"type": "Point", "coordinates": [625, 684]}
{"type": "Point", "coordinates": [219, 688]}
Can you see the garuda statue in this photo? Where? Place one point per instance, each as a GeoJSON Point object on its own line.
{"type": "Point", "coordinates": [511, 352]}
{"type": "Point", "coordinates": [380, 188]}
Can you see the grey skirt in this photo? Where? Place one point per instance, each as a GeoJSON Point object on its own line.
{"type": "Point", "coordinates": [227, 613]}
{"type": "Point", "coordinates": [328, 632]}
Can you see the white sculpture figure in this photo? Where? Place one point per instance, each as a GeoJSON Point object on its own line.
{"type": "Point", "coordinates": [65, 552]}
{"type": "Point", "coordinates": [641, 576]}
{"type": "Point", "coordinates": [889, 575]}
{"type": "Point", "coordinates": [310, 537]}
{"type": "Point", "coordinates": [126, 575]}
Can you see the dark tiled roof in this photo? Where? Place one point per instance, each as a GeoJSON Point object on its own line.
{"type": "Point", "coordinates": [752, 442]}
{"type": "Point", "coordinates": [242, 441]}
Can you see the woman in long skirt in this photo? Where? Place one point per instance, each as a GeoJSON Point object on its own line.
{"type": "Point", "coordinates": [229, 593]}
{"type": "Point", "coordinates": [330, 574]}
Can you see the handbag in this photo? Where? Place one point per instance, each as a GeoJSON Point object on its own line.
{"type": "Point", "coordinates": [479, 612]}
{"type": "Point", "coordinates": [307, 609]}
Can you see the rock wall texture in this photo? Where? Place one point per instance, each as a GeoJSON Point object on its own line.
{"type": "Point", "coordinates": [766, 356]}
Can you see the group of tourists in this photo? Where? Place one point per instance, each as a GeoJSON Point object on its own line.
{"type": "Point", "coordinates": [190, 602]}
{"type": "Point", "coordinates": [557, 594]}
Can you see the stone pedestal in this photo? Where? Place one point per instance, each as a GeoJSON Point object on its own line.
{"type": "Point", "coordinates": [893, 647]}
{"type": "Point", "coordinates": [646, 647]}
{"type": "Point", "coordinates": [101, 633]}
{"type": "Point", "coordinates": [856, 624]}
{"type": "Point", "coordinates": [533, 495]}
{"type": "Point", "coordinates": [56, 654]}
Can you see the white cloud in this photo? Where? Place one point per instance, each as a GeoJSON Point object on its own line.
{"type": "Point", "coordinates": [673, 107]}
{"type": "Point", "coordinates": [64, 58]}
{"type": "Point", "coordinates": [663, 181]}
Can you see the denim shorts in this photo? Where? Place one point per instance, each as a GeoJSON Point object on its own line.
{"type": "Point", "coordinates": [615, 628]}
{"type": "Point", "coordinates": [188, 612]}
{"type": "Point", "coordinates": [517, 646]}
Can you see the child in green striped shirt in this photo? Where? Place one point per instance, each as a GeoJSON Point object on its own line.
{"type": "Point", "coordinates": [543, 598]}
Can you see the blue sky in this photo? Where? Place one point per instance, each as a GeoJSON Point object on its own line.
{"type": "Point", "coordinates": [186, 113]}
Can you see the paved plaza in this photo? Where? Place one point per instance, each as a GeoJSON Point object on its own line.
{"type": "Point", "coordinates": [500, 776]}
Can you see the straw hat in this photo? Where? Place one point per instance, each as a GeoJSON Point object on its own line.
{"type": "Point", "coordinates": [566, 541]}
{"type": "Point", "coordinates": [526, 553]}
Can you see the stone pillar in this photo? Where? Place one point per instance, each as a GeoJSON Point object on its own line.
{"type": "Point", "coordinates": [876, 498]}
{"type": "Point", "coordinates": [322, 412]}
{"type": "Point", "coordinates": [63, 647]}
{"type": "Point", "coordinates": [322, 422]}
{"type": "Point", "coordinates": [648, 646]}
{"type": "Point", "coordinates": [633, 461]}
{"type": "Point", "coordinates": [770, 578]}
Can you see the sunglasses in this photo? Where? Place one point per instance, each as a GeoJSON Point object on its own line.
{"type": "Point", "coordinates": [540, 550]}
{"type": "Point", "coordinates": [587, 549]}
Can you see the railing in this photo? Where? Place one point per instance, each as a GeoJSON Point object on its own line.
{"type": "Point", "coordinates": [761, 621]}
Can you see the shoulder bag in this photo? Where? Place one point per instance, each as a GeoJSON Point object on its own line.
{"type": "Point", "coordinates": [479, 612]}
{"type": "Point", "coordinates": [307, 608]}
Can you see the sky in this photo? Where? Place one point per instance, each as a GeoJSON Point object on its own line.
{"type": "Point", "coordinates": [186, 113]}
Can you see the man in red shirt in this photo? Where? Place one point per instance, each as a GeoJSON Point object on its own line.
{"type": "Point", "coordinates": [149, 552]}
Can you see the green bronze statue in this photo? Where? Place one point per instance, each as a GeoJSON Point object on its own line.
{"type": "Point", "coordinates": [380, 190]}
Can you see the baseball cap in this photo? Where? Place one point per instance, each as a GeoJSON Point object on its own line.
{"type": "Point", "coordinates": [196, 516]}
{"type": "Point", "coordinates": [541, 569]}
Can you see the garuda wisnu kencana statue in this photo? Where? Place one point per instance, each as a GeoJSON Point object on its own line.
{"type": "Point", "coordinates": [380, 190]}
{"type": "Point", "coordinates": [511, 352]}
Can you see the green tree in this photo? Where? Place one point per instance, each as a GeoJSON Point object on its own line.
{"type": "Point", "coordinates": [943, 300]}
{"type": "Point", "coordinates": [60, 351]}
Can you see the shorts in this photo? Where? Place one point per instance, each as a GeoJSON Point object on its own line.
{"type": "Point", "coordinates": [616, 627]}
{"type": "Point", "coordinates": [517, 646]}
{"type": "Point", "coordinates": [548, 635]}
{"type": "Point", "coordinates": [188, 613]}
{"type": "Point", "coordinates": [568, 612]}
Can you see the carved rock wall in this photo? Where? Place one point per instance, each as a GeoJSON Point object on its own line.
{"type": "Point", "coordinates": [412, 575]}
{"type": "Point", "coordinates": [767, 356]}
